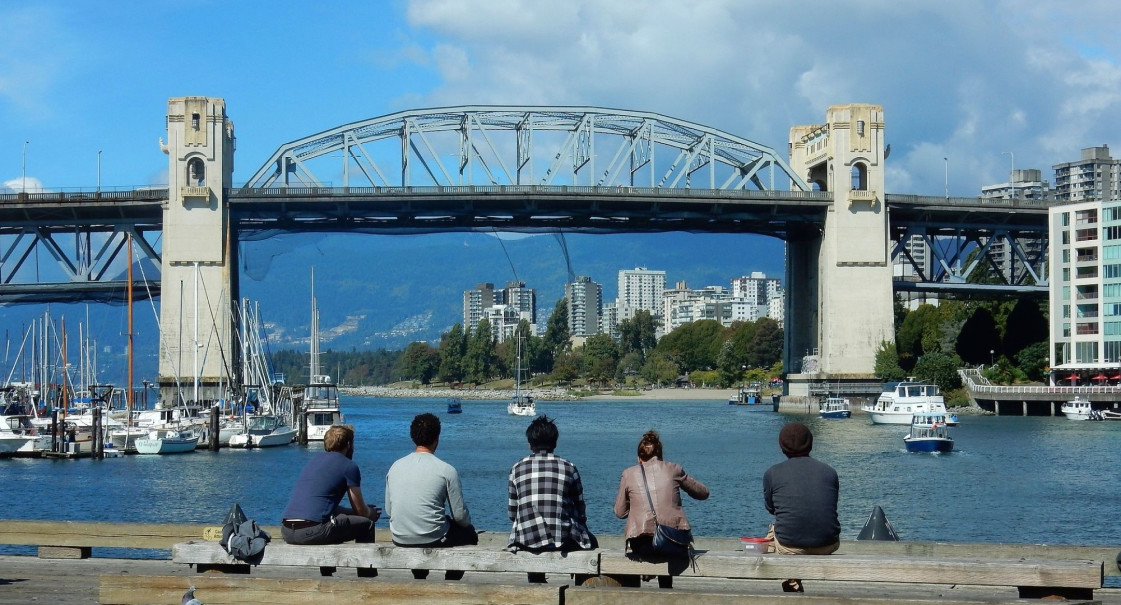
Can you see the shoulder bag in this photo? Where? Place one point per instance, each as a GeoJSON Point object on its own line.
{"type": "Point", "coordinates": [668, 541]}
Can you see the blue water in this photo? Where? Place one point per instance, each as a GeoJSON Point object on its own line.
{"type": "Point", "coordinates": [1010, 479]}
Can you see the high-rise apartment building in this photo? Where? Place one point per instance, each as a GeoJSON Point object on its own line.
{"type": "Point", "coordinates": [477, 303]}
{"type": "Point", "coordinates": [1085, 285]}
{"type": "Point", "coordinates": [1096, 176]}
{"type": "Point", "coordinates": [640, 289]}
{"type": "Point", "coordinates": [585, 305]}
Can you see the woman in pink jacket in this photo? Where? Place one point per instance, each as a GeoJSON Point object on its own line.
{"type": "Point", "coordinates": [666, 480]}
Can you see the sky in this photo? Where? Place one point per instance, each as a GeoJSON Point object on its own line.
{"type": "Point", "coordinates": [969, 87]}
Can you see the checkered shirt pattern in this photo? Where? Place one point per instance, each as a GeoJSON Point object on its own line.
{"type": "Point", "coordinates": [547, 504]}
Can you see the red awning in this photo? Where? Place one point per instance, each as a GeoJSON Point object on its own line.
{"type": "Point", "coordinates": [1117, 377]}
{"type": "Point", "coordinates": [1100, 377]}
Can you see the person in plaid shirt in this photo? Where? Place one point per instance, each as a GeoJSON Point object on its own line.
{"type": "Point", "coordinates": [547, 498]}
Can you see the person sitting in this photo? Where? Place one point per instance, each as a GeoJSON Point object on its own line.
{"type": "Point", "coordinates": [417, 488]}
{"type": "Point", "coordinates": [546, 499]}
{"type": "Point", "coordinates": [802, 495]}
{"type": "Point", "coordinates": [314, 514]}
{"type": "Point", "coordinates": [660, 482]}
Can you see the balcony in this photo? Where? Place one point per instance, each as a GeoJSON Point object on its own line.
{"type": "Point", "coordinates": [195, 192]}
{"type": "Point", "coordinates": [862, 196]}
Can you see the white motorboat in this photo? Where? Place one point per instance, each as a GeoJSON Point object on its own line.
{"type": "Point", "coordinates": [904, 400]}
{"type": "Point", "coordinates": [264, 430]}
{"type": "Point", "coordinates": [321, 397]}
{"type": "Point", "coordinates": [1079, 408]}
{"type": "Point", "coordinates": [929, 434]}
{"type": "Point", "coordinates": [167, 441]}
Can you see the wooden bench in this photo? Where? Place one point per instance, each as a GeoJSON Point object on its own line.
{"type": "Point", "coordinates": [368, 558]}
{"type": "Point", "coordinates": [1033, 578]}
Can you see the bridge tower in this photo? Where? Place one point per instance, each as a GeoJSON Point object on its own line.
{"type": "Point", "coordinates": [199, 272]}
{"type": "Point", "coordinates": [839, 297]}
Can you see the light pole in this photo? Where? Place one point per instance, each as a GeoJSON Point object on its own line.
{"type": "Point", "coordinates": [947, 161]}
{"type": "Point", "coordinates": [99, 171]}
{"type": "Point", "coordinates": [23, 174]}
{"type": "Point", "coordinates": [1012, 174]}
{"type": "Point", "coordinates": [992, 357]}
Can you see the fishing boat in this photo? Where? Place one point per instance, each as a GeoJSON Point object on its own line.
{"type": "Point", "coordinates": [17, 433]}
{"type": "Point", "coordinates": [835, 407]}
{"type": "Point", "coordinates": [929, 433]}
{"type": "Point", "coordinates": [903, 400]}
{"type": "Point", "coordinates": [1078, 408]}
{"type": "Point", "coordinates": [455, 406]}
{"type": "Point", "coordinates": [521, 404]}
{"type": "Point", "coordinates": [167, 441]}
{"type": "Point", "coordinates": [264, 430]}
{"type": "Point", "coordinates": [752, 398]}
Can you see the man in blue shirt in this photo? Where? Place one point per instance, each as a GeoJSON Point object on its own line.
{"type": "Point", "coordinates": [314, 514]}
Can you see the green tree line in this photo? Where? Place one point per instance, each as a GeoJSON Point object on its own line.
{"type": "Point", "coordinates": [705, 351]}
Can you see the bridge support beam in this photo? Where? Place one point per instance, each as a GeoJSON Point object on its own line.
{"type": "Point", "coordinates": [840, 279]}
{"type": "Point", "coordinates": [199, 272]}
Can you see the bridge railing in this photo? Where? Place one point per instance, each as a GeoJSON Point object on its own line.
{"type": "Point", "coordinates": [935, 200]}
{"type": "Point", "coordinates": [78, 195]}
{"type": "Point", "coordinates": [256, 192]}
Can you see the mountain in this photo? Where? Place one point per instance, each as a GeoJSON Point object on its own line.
{"type": "Point", "coordinates": [385, 291]}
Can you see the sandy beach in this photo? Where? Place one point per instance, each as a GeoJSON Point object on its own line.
{"type": "Point", "coordinates": [540, 394]}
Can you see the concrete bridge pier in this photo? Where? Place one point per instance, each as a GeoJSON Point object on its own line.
{"type": "Point", "coordinates": [839, 280]}
{"type": "Point", "coordinates": [198, 264]}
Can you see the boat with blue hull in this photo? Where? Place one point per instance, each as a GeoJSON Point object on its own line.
{"type": "Point", "coordinates": [929, 434]}
{"type": "Point", "coordinates": [835, 407]}
{"type": "Point", "coordinates": [455, 406]}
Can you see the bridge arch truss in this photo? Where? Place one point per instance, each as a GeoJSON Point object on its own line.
{"type": "Point", "coordinates": [516, 145]}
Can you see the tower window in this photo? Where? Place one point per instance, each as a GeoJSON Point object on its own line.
{"type": "Point", "coordinates": [195, 121]}
{"type": "Point", "coordinates": [859, 177]}
{"type": "Point", "coordinates": [860, 127]}
{"type": "Point", "coordinates": [196, 173]}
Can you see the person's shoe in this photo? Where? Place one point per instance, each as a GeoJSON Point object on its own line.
{"type": "Point", "coordinates": [792, 586]}
{"type": "Point", "coordinates": [420, 574]}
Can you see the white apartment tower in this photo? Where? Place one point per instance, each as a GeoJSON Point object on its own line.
{"type": "Point", "coordinates": [1096, 176]}
{"type": "Point", "coordinates": [585, 306]}
{"type": "Point", "coordinates": [640, 289]}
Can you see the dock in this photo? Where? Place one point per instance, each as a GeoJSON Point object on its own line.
{"type": "Point", "coordinates": [66, 569]}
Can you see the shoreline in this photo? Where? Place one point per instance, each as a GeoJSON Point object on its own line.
{"type": "Point", "coordinates": [538, 394]}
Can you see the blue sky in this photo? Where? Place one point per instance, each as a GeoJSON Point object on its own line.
{"type": "Point", "coordinates": [959, 79]}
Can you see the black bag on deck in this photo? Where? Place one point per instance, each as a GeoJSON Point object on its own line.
{"type": "Point", "coordinates": [668, 541]}
{"type": "Point", "coordinates": [243, 538]}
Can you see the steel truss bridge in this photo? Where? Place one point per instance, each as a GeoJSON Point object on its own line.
{"type": "Point", "coordinates": [524, 169]}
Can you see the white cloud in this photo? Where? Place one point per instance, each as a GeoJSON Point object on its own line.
{"type": "Point", "coordinates": [32, 185]}
{"type": "Point", "coordinates": [968, 78]}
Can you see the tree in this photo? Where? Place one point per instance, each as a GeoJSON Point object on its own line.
{"type": "Point", "coordinates": [660, 370]}
{"type": "Point", "coordinates": [939, 369]}
{"type": "Point", "coordinates": [1032, 360]}
{"type": "Point", "coordinates": [601, 355]}
{"type": "Point", "coordinates": [696, 344]}
{"type": "Point", "coordinates": [453, 346]}
{"type": "Point", "coordinates": [419, 362]}
{"type": "Point", "coordinates": [765, 348]}
{"type": "Point", "coordinates": [920, 327]}
{"type": "Point", "coordinates": [1025, 326]}
{"type": "Point", "coordinates": [556, 334]}
{"type": "Point", "coordinates": [479, 361]}
{"type": "Point", "coordinates": [887, 363]}
{"type": "Point", "coordinates": [978, 337]}
{"type": "Point", "coordinates": [639, 333]}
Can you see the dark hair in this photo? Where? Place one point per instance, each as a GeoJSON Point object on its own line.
{"type": "Point", "coordinates": [425, 429]}
{"type": "Point", "coordinates": [542, 434]}
{"type": "Point", "coordinates": [650, 446]}
{"type": "Point", "coordinates": [338, 438]}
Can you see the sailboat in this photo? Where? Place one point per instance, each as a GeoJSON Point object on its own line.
{"type": "Point", "coordinates": [271, 425]}
{"type": "Point", "coordinates": [321, 397]}
{"type": "Point", "coordinates": [521, 404]}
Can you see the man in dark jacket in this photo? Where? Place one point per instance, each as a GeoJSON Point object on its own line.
{"type": "Point", "coordinates": [802, 495]}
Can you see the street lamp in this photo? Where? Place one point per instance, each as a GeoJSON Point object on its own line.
{"type": "Point", "coordinates": [947, 161]}
{"type": "Point", "coordinates": [1012, 174]}
{"type": "Point", "coordinates": [99, 171]}
{"type": "Point", "coordinates": [992, 357]}
{"type": "Point", "coordinates": [23, 175]}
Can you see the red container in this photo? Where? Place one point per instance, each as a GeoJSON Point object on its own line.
{"type": "Point", "coordinates": [755, 546]}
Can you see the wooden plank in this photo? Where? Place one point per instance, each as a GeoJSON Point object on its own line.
{"type": "Point", "coordinates": [870, 568]}
{"type": "Point", "coordinates": [117, 535]}
{"type": "Point", "coordinates": [64, 552]}
{"type": "Point", "coordinates": [632, 596]}
{"type": "Point", "coordinates": [130, 589]}
{"type": "Point", "coordinates": [383, 556]}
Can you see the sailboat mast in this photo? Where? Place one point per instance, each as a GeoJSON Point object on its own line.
{"type": "Point", "coordinates": [196, 340]}
{"type": "Point", "coordinates": [314, 333]}
{"type": "Point", "coordinates": [128, 277]}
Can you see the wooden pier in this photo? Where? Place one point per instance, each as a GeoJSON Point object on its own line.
{"type": "Point", "coordinates": [66, 570]}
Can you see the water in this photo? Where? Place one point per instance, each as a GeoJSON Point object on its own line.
{"type": "Point", "coordinates": [1010, 479]}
